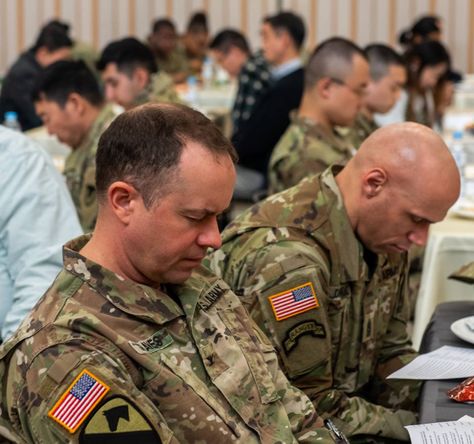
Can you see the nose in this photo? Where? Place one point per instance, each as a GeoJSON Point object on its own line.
{"type": "Point", "coordinates": [419, 236]}
{"type": "Point", "coordinates": [210, 236]}
{"type": "Point", "coordinates": [109, 93]}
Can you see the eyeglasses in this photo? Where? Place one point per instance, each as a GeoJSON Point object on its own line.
{"type": "Point", "coordinates": [359, 92]}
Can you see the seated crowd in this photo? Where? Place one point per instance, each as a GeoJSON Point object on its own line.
{"type": "Point", "coordinates": [282, 328]}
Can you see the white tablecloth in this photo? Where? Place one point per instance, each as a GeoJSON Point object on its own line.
{"type": "Point", "coordinates": [450, 245]}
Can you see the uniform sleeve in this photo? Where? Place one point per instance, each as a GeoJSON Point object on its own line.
{"type": "Point", "coordinates": [78, 395]}
{"type": "Point", "coordinates": [305, 333]}
{"type": "Point", "coordinates": [396, 352]}
{"type": "Point", "coordinates": [38, 217]}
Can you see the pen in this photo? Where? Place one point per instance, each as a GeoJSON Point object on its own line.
{"type": "Point", "coordinates": [341, 439]}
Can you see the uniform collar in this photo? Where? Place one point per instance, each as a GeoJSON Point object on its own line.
{"type": "Point", "coordinates": [104, 117]}
{"type": "Point", "coordinates": [130, 297]}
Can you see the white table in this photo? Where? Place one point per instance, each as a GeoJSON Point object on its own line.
{"type": "Point", "coordinates": [450, 246]}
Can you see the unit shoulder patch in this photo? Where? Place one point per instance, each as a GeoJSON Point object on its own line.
{"type": "Point", "coordinates": [294, 301]}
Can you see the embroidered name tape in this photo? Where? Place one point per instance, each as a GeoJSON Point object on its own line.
{"type": "Point", "coordinates": [78, 401]}
{"type": "Point", "coordinates": [293, 301]}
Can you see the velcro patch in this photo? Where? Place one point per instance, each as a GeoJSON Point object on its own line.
{"type": "Point", "coordinates": [119, 421]}
{"type": "Point", "coordinates": [215, 292]}
{"type": "Point", "coordinates": [78, 401]}
{"type": "Point", "coordinates": [312, 328]}
{"type": "Point", "coordinates": [159, 340]}
{"type": "Point", "coordinates": [293, 301]}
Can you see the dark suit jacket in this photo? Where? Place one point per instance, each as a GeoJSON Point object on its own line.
{"type": "Point", "coordinates": [256, 138]}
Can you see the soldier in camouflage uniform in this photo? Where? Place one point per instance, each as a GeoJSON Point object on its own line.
{"type": "Point", "coordinates": [71, 105]}
{"type": "Point", "coordinates": [335, 78]}
{"type": "Point", "coordinates": [322, 268]}
{"type": "Point", "coordinates": [387, 78]}
{"type": "Point", "coordinates": [130, 344]}
{"type": "Point", "coordinates": [131, 77]}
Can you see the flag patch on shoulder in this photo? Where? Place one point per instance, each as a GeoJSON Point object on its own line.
{"type": "Point", "coordinates": [293, 301]}
{"type": "Point", "coordinates": [78, 401]}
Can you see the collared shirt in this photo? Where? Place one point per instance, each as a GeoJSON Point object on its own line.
{"type": "Point", "coordinates": [284, 69]}
{"type": "Point", "coordinates": [79, 170]}
{"type": "Point", "coordinates": [37, 217]}
{"type": "Point", "coordinates": [305, 148]}
{"type": "Point", "coordinates": [337, 318]}
{"type": "Point", "coordinates": [185, 359]}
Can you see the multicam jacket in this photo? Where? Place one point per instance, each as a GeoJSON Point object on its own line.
{"type": "Point", "coordinates": [79, 170]}
{"type": "Point", "coordinates": [306, 148]}
{"type": "Point", "coordinates": [363, 127]}
{"type": "Point", "coordinates": [337, 319]}
{"type": "Point", "coordinates": [183, 363]}
{"type": "Point", "coordinates": [160, 89]}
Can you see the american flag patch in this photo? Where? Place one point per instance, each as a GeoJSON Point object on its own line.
{"type": "Point", "coordinates": [294, 301]}
{"type": "Point", "coordinates": [78, 401]}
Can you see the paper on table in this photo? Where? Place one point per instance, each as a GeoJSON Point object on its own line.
{"type": "Point", "coordinates": [452, 432]}
{"type": "Point", "coordinates": [445, 363]}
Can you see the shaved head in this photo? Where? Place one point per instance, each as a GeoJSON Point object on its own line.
{"type": "Point", "coordinates": [402, 179]}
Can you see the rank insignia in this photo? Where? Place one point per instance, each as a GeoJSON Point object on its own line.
{"type": "Point", "coordinates": [78, 401]}
{"type": "Point", "coordinates": [294, 301]}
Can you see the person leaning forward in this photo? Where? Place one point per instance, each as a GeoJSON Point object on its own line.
{"type": "Point", "coordinates": [322, 268]}
{"type": "Point", "coordinates": [135, 341]}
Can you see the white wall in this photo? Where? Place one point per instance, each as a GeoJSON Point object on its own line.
{"type": "Point", "coordinates": [365, 21]}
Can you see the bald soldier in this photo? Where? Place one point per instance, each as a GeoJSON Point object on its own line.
{"type": "Point", "coordinates": [335, 79]}
{"type": "Point", "coordinates": [322, 269]}
{"type": "Point", "coordinates": [130, 344]}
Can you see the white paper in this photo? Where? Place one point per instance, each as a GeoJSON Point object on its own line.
{"type": "Point", "coordinates": [453, 432]}
{"type": "Point", "coordinates": [466, 418]}
{"type": "Point", "coordinates": [445, 363]}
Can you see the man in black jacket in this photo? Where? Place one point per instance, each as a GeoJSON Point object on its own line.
{"type": "Point", "coordinates": [282, 38]}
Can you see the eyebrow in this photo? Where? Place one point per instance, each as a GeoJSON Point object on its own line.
{"type": "Point", "coordinates": [204, 211]}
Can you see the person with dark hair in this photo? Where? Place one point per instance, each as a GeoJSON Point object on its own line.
{"type": "Point", "coordinates": [336, 76]}
{"type": "Point", "coordinates": [170, 56]}
{"type": "Point", "coordinates": [70, 102]}
{"type": "Point", "coordinates": [322, 269]}
{"type": "Point", "coordinates": [195, 41]}
{"type": "Point", "coordinates": [426, 63]}
{"type": "Point", "coordinates": [131, 77]}
{"type": "Point", "coordinates": [52, 44]}
{"type": "Point", "coordinates": [426, 28]}
{"type": "Point", "coordinates": [231, 51]}
{"type": "Point", "coordinates": [282, 38]}
{"type": "Point", "coordinates": [388, 75]}
{"type": "Point", "coordinates": [135, 341]}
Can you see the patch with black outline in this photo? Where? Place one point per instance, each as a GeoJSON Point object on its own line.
{"type": "Point", "coordinates": [312, 328]}
{"type": "Point", "coordinates": [118, 421]}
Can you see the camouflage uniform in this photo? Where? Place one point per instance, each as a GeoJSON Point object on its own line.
{"type": "Point", "coordinates": [464, 274]}
{"type": "Point", "coordinates": [306, 148]}
{"type": "Point", "coordinates": [350, 330]}
{"type": "Point", "coordinates": [183, 363]}
{"type": "Point", "coordinates": [160, 89]}
{"type": "Point", "coordinates": [175, 63]}
{"type": "Point", "coordinates": [79, 170]}
{"type": "Point", "coordinates": [363, 127]}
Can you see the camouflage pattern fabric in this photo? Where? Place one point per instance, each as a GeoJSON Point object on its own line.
{"type": "Point", "coordinates": [464, 274]}
{"type": "Point", "coordinates": [183, 363]}
{"type": "Point", "coordinates": [79, 170]}
{"type": "Point", "coordinates": [363, 127]}
{"type": "Point", "coordinates": [175, 63]}
{"type": "Point", "coordinates": [349, 333]}
{"type": "Point", "coordinates": [160, 89]}
{"type": "Point", "coordinates": [305, 148]}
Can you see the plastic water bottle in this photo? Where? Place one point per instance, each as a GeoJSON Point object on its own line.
{"type": "Point", "coordinates": [207, 72]}
{"type": "Point", "coordinates": [457, 150]}
{"type": "Point", "coordinates": [192, 94]}
{"type": "Point", "coordinates": [11, 121]}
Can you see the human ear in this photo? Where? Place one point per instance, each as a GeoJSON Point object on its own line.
{"type": "Point", "coordinates": [373, 182]}
{"type": "Point", "coordinates": [123, 199]}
